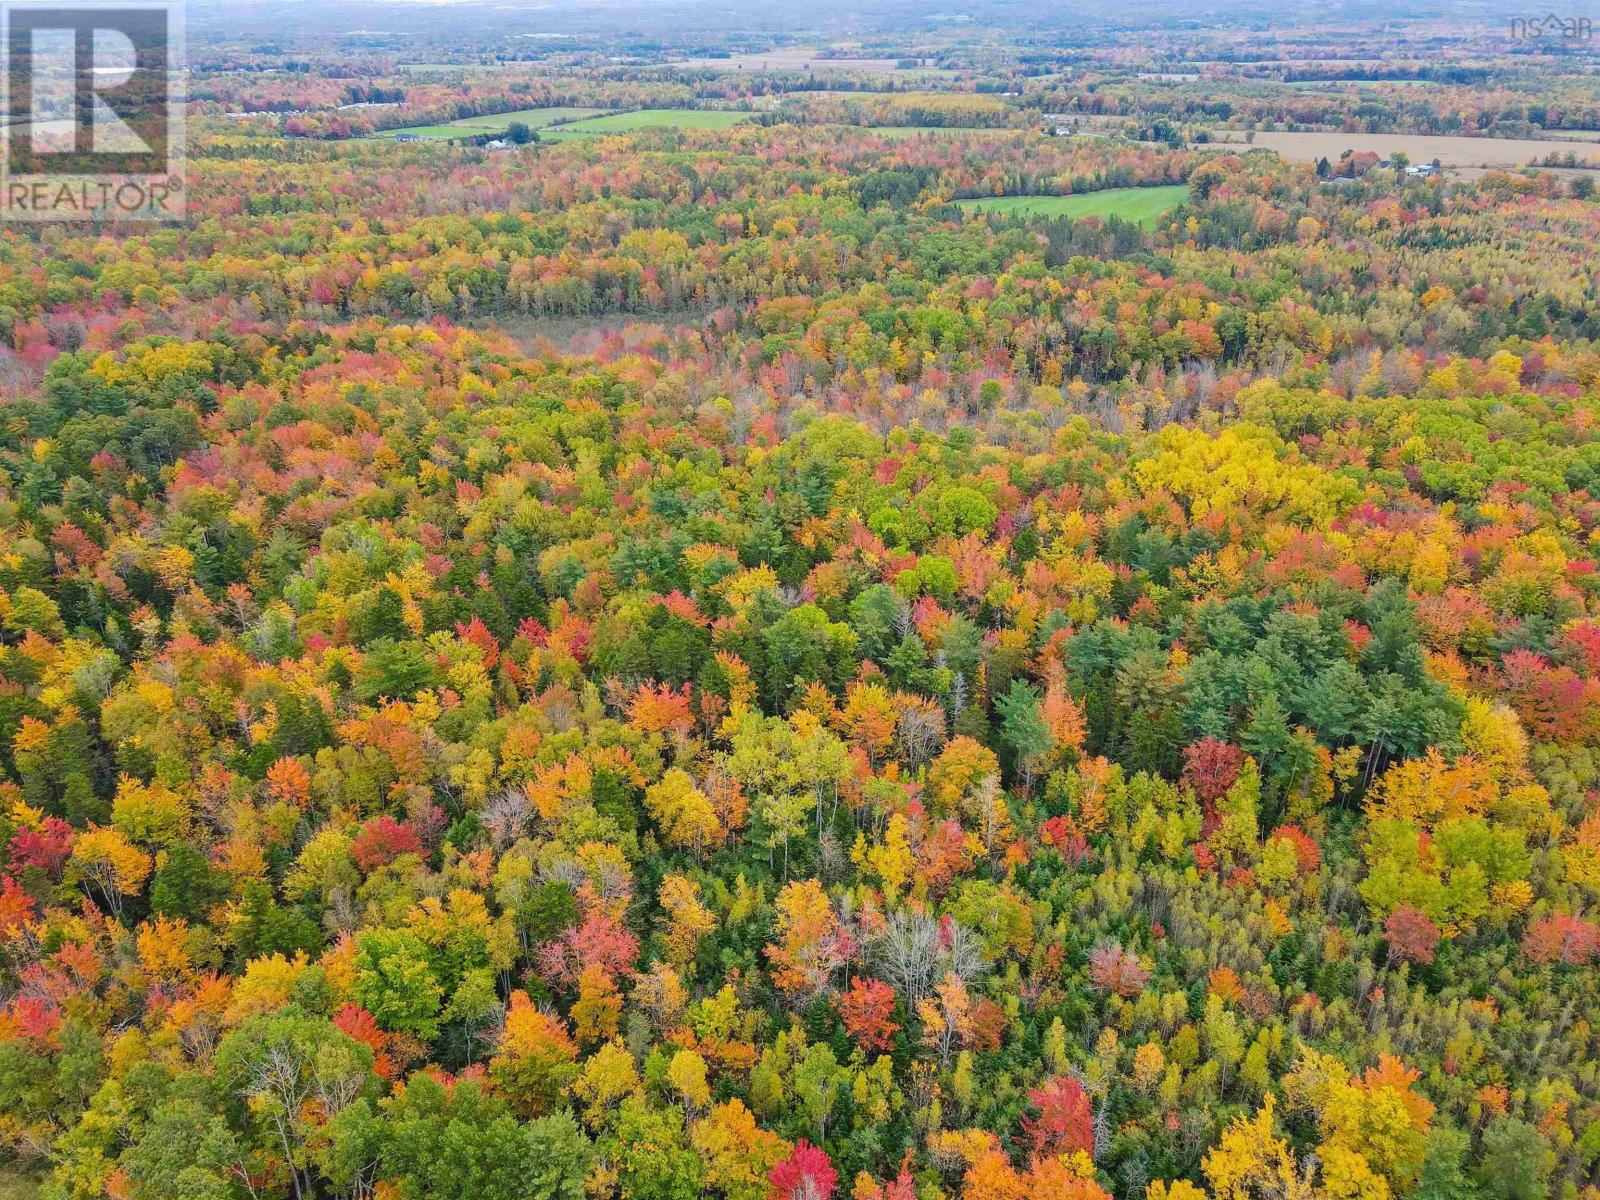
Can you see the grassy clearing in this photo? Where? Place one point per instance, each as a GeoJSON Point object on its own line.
{"type": "Point", "coordinates": [536, 118]}
{"type": "Point", "coordinates": [647, 118]}
{"type": "Point", "coordinates": [593, 122]}
{"type": "Point", "coordinates": [1142, 205]}
{"type": "Point", "coordinates": [469, 127]}
{"type": "Point", "coordinates": [427, 131]}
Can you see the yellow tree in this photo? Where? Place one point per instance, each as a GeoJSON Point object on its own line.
{"type": "Point", "coordinates": [598, 1008]}
{"type": "Point", "coordinates": [946, 1016]}
{"type": "Point", "coordinates": [608, 1078]}
{"type": "Point", "coordinates": [163, 953]}
{"type": "Point", "coordinates": [685, 813]}
{"type": "Point", "coordinates": [1582, 854]}
{"type": "Point", "coordinates": [150, 813]}
{"type": "Point", "coordinates": [890, 861]}
{"type": "Point", "coordinates": [1372, 1126]}
{"type": "Point", "coordinates": [736, 1152]}
{"type": "Point", "coordinates": [687, 918]}
{"type": "Point", "coordinates": [687, 1075]}
{"type": "Point", "coordinates": [660, 993]}
{"type": "Point", "coordinates": [960, 767]}
{"type": "Point", "coordinates": [109, 864]}
{"type": "Point", "coordinates": [536, 1059]}
{"type": "Point", "coordinates": [1250, 1162]}
{"type": "Point", "coordinates": [869, 718]}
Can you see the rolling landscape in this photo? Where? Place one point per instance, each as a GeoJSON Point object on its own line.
{"type": "Point", "coordinates": [646, 601]}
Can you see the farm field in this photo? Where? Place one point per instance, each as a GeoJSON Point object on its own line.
{"type": "Point", "coordinates": [1142, 205]}
{"type": "Point", "coordinates": [432, 132]}
{"type": "Point", "coordinates": [647, 118]}
{"type": "Point", "coordinates": [537, 118]}
{"type": "Point", "coordinates": [1458, 152]}
{"type": "Point", "coordinates": [590, 122]}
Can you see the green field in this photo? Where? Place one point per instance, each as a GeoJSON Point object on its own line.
{"type": "Point", "coordinates": [469, 127]}
{"type": "Point", "coordinates": [429, 131]}
{"type": "Point", "coordinates": [538, 118]}
{"type": "Point", "coordinates": [648, 118]}
{"type": "Point", "coordinates": [1141, 205]}
{"type": "Point", "coordinates": [593, 122]}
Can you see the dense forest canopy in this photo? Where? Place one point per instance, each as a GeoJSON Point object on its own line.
{"type": "Point", "coordinates": [700, 662]}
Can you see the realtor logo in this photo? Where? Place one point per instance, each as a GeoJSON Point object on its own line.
{"type": "Point", "coordinates": [93, 110]}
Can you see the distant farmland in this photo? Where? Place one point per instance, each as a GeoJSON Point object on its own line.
{"type": "Point", "coordinates": [566, 124]}
{"type": "Point", "coordinates": [648, 118]}
{"type": "Point", "coordinates": [1470, 155]}
{"type": "Point", "coordinates": [791, 58]}
{"type": "Point", "coordinates": [1141, 205]}
{"type": "Point", "coordinates": [495, 123]}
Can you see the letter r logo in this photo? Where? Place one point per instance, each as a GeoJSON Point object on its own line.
{"type": "Point", "coordinates": [90, 86]}
{"type": "Point", "coordinates": [91, 110]}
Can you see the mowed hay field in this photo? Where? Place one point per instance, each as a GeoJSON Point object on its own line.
{"type": "Point", "coordinates": [469, 127]}
{"type": "Point", "coordinates": [537, 118]}
{"type": "Point", "coordinates": [1141, 205]}
{"type": "Point", "coordinates": [1467, 154]}
{"type": "Point", "coordinates": [646, 118]}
